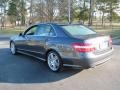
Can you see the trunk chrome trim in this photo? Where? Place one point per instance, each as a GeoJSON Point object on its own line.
{"type": "Point", "coordinates": [31, 55]}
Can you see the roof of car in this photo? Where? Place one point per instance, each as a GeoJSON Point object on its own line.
{"type": "Point", "coordinates": [60, 24]}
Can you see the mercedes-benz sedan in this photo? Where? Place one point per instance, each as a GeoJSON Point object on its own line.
{"type": "Point", "coordinates": [63, 45]}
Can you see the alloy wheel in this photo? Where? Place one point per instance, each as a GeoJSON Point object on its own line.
{"type": "Point", "coordinates": [53, 61]}
{"type": "Point", "coordinates": [12, 48]}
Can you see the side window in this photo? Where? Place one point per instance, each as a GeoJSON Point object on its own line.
{"type": "Point", "coordinates": [52, 32]}
{"type": "Point", "coordinates": [31, 30]}
{"type": "Point", "coordinates": [45, 30]}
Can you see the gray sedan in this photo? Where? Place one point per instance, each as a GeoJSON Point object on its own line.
{"type": "Point", "coordinates": [63, 45]}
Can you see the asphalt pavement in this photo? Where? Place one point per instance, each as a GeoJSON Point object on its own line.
{"type": "Point", "coordinates": [22, 72]}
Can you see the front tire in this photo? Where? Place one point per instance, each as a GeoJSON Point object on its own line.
{"type": "Point", "coordinates": [54, 61]}
{"type": "Point", "coordinates": [13, 48]}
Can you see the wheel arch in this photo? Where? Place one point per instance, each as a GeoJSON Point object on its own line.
{"type": "Point", "coordinates": [49, 50]}
{"type": "Point", "coordinates": [11, 41]}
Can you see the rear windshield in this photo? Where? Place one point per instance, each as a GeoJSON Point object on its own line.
{"type": "Point", "coordinates": [77, 30]}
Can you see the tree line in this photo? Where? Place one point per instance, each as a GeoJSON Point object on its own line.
{"type": "Point", "coordinates": [82, 11]}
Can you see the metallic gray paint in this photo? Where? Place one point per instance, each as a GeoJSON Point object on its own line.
{"type": "Point", "coordinates": [61, 43]}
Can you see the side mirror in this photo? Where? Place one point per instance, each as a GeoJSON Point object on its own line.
{"type": "Point", "coordinates": [20, 34]}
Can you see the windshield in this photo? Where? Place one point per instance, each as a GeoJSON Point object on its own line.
{"type": "Point", "coordinates": [77, 30]}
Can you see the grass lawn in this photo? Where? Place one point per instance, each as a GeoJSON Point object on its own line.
{"type": "Point", "coordinates": [10, 31]}
{"type": "Point", "coordinates": [15, 31]}
{"type": "Point", "coordinates": [114, 33]}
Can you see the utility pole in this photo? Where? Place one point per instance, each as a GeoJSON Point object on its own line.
{"type": "Point", "coordinates": [31, 12]}
{"type": "Point", "coordinates": [90, 13]}
{"type": "Point", "coordinates": [1, 16]}
{"type": "Point", "coordinates": [69, 11]}
{"type": "Point", "coordinates": [92, 2]}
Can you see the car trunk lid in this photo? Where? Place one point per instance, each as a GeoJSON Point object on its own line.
{"type": "Point", "coordinates": [101, 43]}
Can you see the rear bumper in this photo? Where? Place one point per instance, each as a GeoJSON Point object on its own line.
{"type": "Point", "coordinates": [88, 62]}
{"type": "Point", "coordinates": [100, 61]}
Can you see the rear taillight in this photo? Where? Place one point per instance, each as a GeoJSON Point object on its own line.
{"type": "Point", "coordinates": [83, 47]}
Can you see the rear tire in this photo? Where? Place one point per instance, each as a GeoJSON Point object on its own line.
{"type": "Point", "coordinates": [13, 48]}
{"type": "Point", "coordinates": [54, 61]}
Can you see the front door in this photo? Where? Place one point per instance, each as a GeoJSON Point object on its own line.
{"type": "Point", "coordinates": [24, 42]}
{"type": "Point", "coordinates": [42, 35]}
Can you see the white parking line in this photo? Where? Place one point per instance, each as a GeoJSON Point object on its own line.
{"type": "Point", "coordinates": [4, 42]}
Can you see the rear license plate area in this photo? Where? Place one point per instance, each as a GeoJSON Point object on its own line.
{"type": "Point", "coordinates": [104, 45]}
